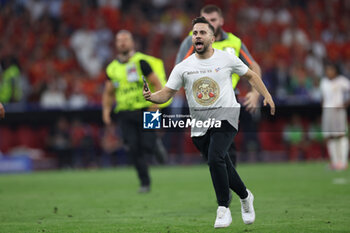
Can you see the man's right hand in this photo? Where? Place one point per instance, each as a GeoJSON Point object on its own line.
{"type": "Point", "coordinates": [147, 94]}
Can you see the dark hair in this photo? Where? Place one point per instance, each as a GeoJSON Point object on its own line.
{"type": "Point", "coordinates": [210, 9]}
{"type": "Point", "coordinates": [334, 65]}
{"type": "Point", "coordinates": [124, 31]}
{"type": "Point", "coordinates": [201, 19]}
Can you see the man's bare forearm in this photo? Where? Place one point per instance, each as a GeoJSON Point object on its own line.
{"type": "Point", "coordinates": [256, 68]}
{"type": "Point", "coordinates": [107, 102]}
{"type": "Point", "coordinates": [258, 85]}
{"type": "Point", "coordinates": [256, 82]}
{"type": "Point", "coordinates": [160, 96]}
{"type": "Point", "coordinates": [108, 97]}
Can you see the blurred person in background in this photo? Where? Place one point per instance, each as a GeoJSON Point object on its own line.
{"type": "Point", "coordinates": [77, 99]}
{"type": "Point", "coordinates": [124, 85]}
{"type": "Point", "coordinates": [59, 142]}
{"type": "Point", "coordinates": [10, 81]}
{"type": "Point", "coordinates": [206, 78]}
{"type": "Point", "coordinates": [335, 90]}
{"type": "Point", "coordinates": [53, 96]}
{"type": "Point", "coordinates": [228, 42]}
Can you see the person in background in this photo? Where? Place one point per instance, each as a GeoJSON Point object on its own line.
{"type": "Point", "coordinates": [10, 86]}
{"type": "Point", "coordinates": [124, 85]}
{"type": "Point", "coordinates": [335, 89]}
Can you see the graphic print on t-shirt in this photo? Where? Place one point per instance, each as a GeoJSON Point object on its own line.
{"type": "Point", "coordinates": [205, 91]}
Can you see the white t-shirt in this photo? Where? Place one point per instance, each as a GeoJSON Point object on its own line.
{"type": "Point", "coordinates": [208, 87]}
{"type": "Point", "coordinates": [334, 92]}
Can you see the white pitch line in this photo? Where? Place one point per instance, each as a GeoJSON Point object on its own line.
{"type": "Point", "coordinates": [340, 181]}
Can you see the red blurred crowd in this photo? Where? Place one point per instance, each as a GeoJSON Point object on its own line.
{"type": "Point", "coordinates": [63, 46]}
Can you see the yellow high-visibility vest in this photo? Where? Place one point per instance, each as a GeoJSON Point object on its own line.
{"type": "Point", "coordinates": [7, 90]}
{"type": "Point", "coordinates": [127, 79]}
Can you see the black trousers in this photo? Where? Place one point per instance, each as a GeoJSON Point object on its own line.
{"type": "Point", "coordinates": [232, 152]}
{"type": "Point", "coordinates": [138, 142]}
{"type": "Point", "coordinates": [214, 147]}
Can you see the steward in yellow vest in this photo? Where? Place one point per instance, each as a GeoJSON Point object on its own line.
{"type": "Point", "coordinates": [10, 90]}
{"type": "Point", "coordinates": [124, 85]}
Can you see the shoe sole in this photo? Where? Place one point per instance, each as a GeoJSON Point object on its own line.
{"type": "Point", "coordinates": [223, 226]}
{"type": "Point", "coordinates": [248, 223]}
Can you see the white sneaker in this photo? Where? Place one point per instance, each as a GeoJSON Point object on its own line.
{"type": "Point", "coordinates": [247, 208]}
{"type": "Point", "coordinates": [223, 217]}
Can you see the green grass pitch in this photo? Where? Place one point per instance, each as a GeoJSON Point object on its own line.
{"type": "Point", "coordinates": [299, 197]}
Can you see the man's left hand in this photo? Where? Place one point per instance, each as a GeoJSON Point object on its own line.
{"type": "Point", "coordinates": [251, 101]}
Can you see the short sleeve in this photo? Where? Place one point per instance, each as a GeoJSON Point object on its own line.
{"type": "Point", "coordinates": [238, 67]}
{"type": "Point", "coordinates": [175, 80]}
{"type": "Point", "coordinates": [145, 68]}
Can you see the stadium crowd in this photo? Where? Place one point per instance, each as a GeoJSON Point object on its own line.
{"type": "Point", "coordinates": [62, 47]}
{"type": "Point", "coordinates": [56, 51]}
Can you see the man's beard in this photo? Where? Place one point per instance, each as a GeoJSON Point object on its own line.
{"type": "Point", "coordinates": [125, 52]}
{"type": "Point", "coordinates": [217, 31]}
